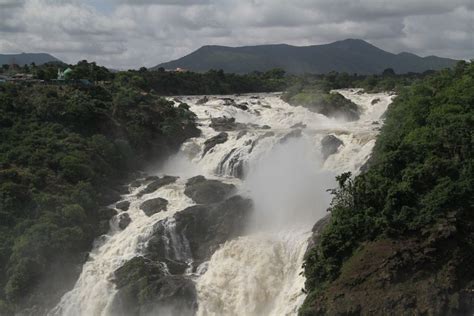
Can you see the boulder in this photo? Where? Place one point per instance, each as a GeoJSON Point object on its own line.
{"type": "Point", "coordinates": [242, 106]}
{"type": "Point", "coordinates": [266, 127]}
{"type": "Point", "coordinates": [145, 288]}
{"type": "Point", "coordinates": [123, 205]}
{"type": "Point", "coordinates": [330, 144]}
{"type": "Point", "coordinates": [154, 206]}
{"type": "Point", "coordinates": [157, 183]}
{"type": "Point", "coordinates": [213, 141]}
{"type": "Point", "coordinates": [299, 125]}
{"type": "Point", "coordinates": [109, 196]}
{"type": "Point", "coordinates": [106, 213]}
{"type": "Point", "coordinates": [124, 220]}
{"type": "Point", "coordinates": [203, 191]}
{"type": "Point", "coordinates": [375, 101]}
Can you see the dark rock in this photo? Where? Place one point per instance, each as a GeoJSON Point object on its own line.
{"type": "Point", "coordinates": [221, 124]}
{"type": "Point", "coordinates": [330, 144]}
{"type": "Point", "coordinates": [375, 101]}
{"type": "Point", "coordinates": [265, 127]}
{"type": "Point", "coordinates": [203, 100]}
{"type": "Point", "coordinates": [154, 206]}
{"type": "Point", "coordinates": [123, 205]}
{"type": "Point", "coordinates": [157, 183]}
{"type": "Point", "coordinates": [136, 184]}
{"type": "Point", "coordinates": [203, 191]}
{"type": "Point", "coordinates": [242, 106]}
{"type": "Point", "coordinates": [228, 101]}
{"type": "Point", "coordinates": [299, 125]}
{"type": "Point", "coordinates": [255, 97]}
{"type": "Point", "coordinates": [124, 220]}
{"type": "Point", "coordinates": [213, 141]}
{"type": "Point", "coordinates": [296, 133]}
{"type": "Point", "coordinates": [144, 288]}
{"type": "Point", "coordinates": [122, 189]}
{"type": "Point", "coordinates": [316, 233]}
{"type": "Point", "coordinates": [151, 178]}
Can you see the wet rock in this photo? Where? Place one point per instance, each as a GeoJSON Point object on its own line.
{"type": "Point", "coordinates": [242, 106]}
{"type": "Point", "coordinates": [124, 220]}
{"type": "Point", "coordinates": [144, 288]}
{"type": "Point", "coordinates": [151, 178]}
{"type": "Point", "coordinates": [221, 124]}
{"type": "Point", "coordinates": [330, 144]}
{"type": "Point", "coordinates": [228, 101]}
{"type": "Point", "coordinates": [296, 133]}
{"type": "Point", "coordinates": [375, 101]}
{"type": "Point", "coordinates": [157, 183]}
{"type": "Point", "coordinates": [299, 125]}
{"type": "Point", "coordinates": [208, 226]}
{"type": "Point", "coordinates": [109, 196]}
{"type": "Point", "coordinates": [255, 97]}
{"type": "Point", "coordinates": [154, 206]}
{"type": "Point", "coordinates": [203, 100]}
{"type": "Point", "coordinates": [204, 191]}
{"type": "Point", "coordinates": [136, 184]}
{"type": "Point", "coordinates": [123, 205]}
{"type": "Point", "coordinates": [266, 127]}
{"type": "Point", "coordinates": [213, 141]}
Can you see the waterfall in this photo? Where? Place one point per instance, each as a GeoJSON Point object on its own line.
{"type": "Point", "coordinates": [272, 154]}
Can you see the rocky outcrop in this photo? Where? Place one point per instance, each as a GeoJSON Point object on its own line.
{"type": "Point", "coordinates": [221, 124]}
{"type": "Point", "coordinates": [153, 206]}
{"type": "Point", "coordinates": [213, 141]}
{"type": "Point", "coordinates": [204, 191]}
{"type": "Point", "coordinates": [329, 145]}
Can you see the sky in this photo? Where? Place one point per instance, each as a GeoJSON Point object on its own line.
{"type": "Point", "coordinates": [126, 34]}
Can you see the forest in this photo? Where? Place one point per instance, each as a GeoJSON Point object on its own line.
{"type": "Point", "coordinates": [407, 223]}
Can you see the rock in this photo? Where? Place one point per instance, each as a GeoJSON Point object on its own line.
{"type": "Point", "coordinates": [242, 106]}
{"type": "Point", "coordinates": [296, 133]}
{"type": "Point", "coordinates": [203, 100]}
{"type": "Point", "coordinates": [144, 288]}
{"type": "Point", "coordinates": [213, 141]}
{"type": "Point", "coordinates": [136, 184]}
{"type": "Point", "coordinates": [299, 125]}
{"type": "Point", "coordinates": [221, 124]}
{"type": "Point", "coordinates": [330, 144]}
{"type": "Point", "coordinates": [228, 101]}
{"type": "Point", "coordinates": [151, 178]}
{"type": "Point", "coordinates": [203, 191]}
{"type": "Point", "coordinates": [123, 205]}
{"type": "Point", "coordinates": [265, 127]}
{"type": "Point", "coordinates": [157, 183]}
{"type": "Point", "coordinates": [124, 220]}
{"type": "Point", "coordinates": [154, 206]}
{"type": "Point", "coordinates": [316, 233]}
{"type": "Point", "coordinates": [375, 101]}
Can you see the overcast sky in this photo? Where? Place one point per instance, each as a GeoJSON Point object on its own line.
{"type": "Point", "coordinates": [131, 33]}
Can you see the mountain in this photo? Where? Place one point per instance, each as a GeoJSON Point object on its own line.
{"type": "Point", "coordinates": [350, 55]}
{"type": "Point", "coordinates": [27, 58]}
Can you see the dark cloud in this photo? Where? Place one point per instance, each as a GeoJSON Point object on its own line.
{"type": "Point", "coordinates": [127, 33]}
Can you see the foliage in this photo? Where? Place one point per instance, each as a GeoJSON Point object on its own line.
{"type": "Point", "coordinates": [61, 147]}
{"type": "Point", "coordinates": [422, 171]}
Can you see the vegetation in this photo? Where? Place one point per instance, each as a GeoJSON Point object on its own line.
{"type": "Point", "coordinates": [63, 149]}
{"type": "Point", "coordinates": [416, 198]}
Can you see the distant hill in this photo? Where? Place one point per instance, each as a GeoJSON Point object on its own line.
{"type": "Point", "coordinates": [27, 58]}
{"type": "Point", "coordinates": [351, 56]}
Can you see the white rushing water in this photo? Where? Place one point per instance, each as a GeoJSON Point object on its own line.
{"type": "Point", "coordinates": [258, 273]}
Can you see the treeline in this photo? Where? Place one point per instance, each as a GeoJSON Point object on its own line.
{"type": "Point", "coordinates": [401, 235]}
{"type": "Point", "coordinates": [63, 154]}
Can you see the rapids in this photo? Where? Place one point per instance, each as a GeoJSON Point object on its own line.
{"type": "Point", "coordinates": [273, 155]}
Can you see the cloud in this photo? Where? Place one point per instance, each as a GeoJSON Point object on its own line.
{"type": "Point", "coordinates": [126, 33]}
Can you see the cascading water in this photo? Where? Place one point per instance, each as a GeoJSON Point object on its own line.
{"type": "Point", "coordinates": [276, 149]}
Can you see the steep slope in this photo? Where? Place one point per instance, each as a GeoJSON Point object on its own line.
{"type": "Point", "coordinates": [351, 55]}
{"type": "Point", "coordinates": [27, 58]}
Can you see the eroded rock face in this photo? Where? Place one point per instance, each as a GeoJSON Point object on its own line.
{"type": "Point", "coordinates": [330, 144]}
{"type": "Point", "coordinates": [204, 191]}
{"type": "Point", "coordinates": [153, 206]}
{"type": "Point", "coordinates": [213, 141]}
